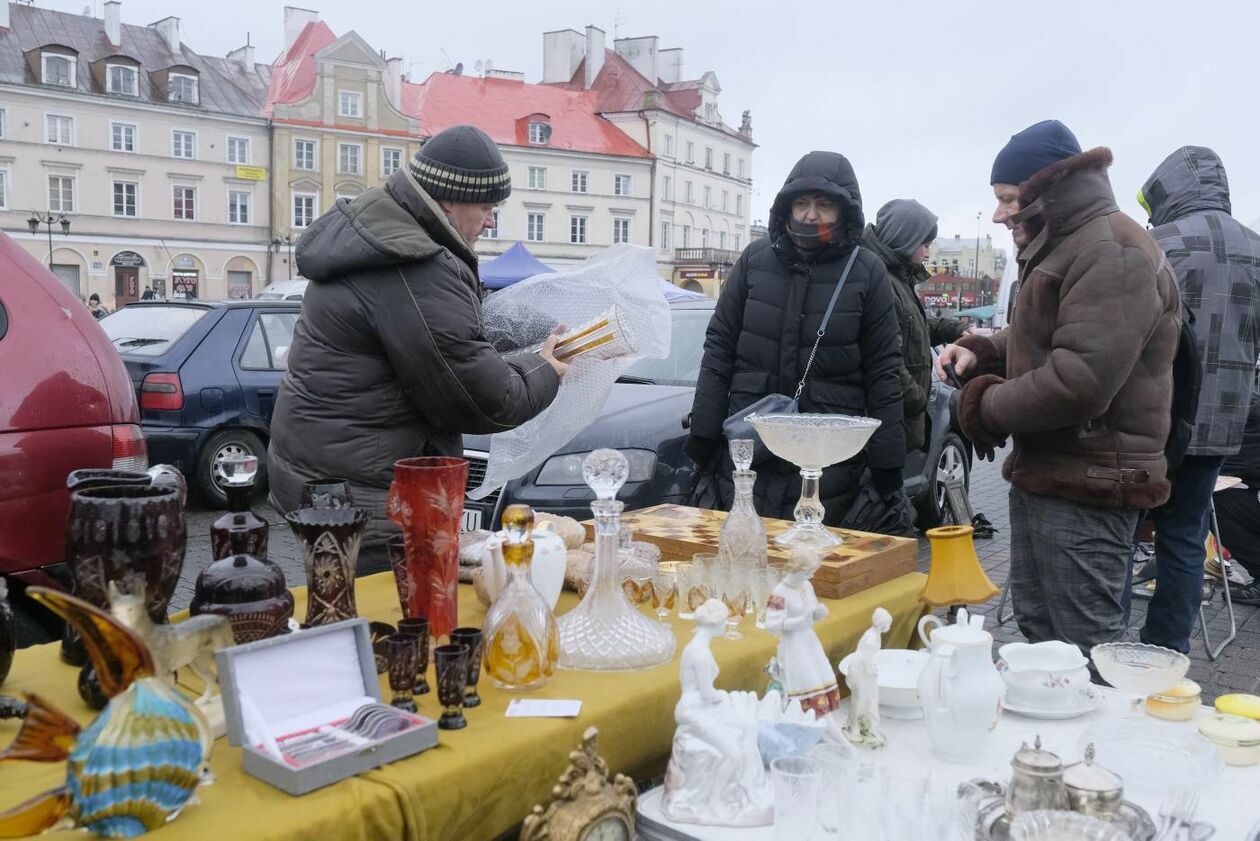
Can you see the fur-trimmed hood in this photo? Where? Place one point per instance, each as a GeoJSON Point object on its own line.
{"type": "Point", "coordinates": [1060, 199]}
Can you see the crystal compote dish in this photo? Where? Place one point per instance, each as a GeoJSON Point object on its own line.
{"type": "Point", "coordinates": [605, 632]}
{"type": "Point", "coordinates": [1138, 668]}
{"type": "Point", "coordinates": [812, 443]}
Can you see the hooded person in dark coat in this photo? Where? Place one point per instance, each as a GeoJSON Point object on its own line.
{"type": "Point", "coordinates": [901, 235]}
{"type": "Point", "coordinates": [389, 359]}
{"type": "Point", "coordinates": [765, 324]}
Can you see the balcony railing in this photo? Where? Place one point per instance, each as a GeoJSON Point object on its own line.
{"type": "Point", "coordinates": [707, 256]}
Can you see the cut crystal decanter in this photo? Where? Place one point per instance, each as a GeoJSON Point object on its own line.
{"type": "Point", "coordinates": [521, 643]}
{"type": "Point", "coordinates": [742, 538]}
{"type": "Point", "coordinates": [604, 632]}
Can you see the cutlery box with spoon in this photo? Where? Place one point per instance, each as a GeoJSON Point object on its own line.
{"type": "Point", "coordinates": [306, 708]}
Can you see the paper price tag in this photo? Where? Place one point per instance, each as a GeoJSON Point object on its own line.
{"type": "Point", "coordinates": [543, 708]}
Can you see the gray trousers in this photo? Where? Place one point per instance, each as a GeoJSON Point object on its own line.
{"type": "Point", "coordinates": [1068, 569]}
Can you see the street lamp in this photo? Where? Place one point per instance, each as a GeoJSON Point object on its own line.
{"type": "Point", "coordinates": [48, 219]}
{"type": "Point", "coordinates": [288, 240]}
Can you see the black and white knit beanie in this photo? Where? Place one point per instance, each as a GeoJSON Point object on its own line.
{"type": "Point", "coordinates": [462, 164]}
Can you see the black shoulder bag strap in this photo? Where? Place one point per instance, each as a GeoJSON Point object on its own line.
{"type": "Point", "coordinates": [822, 327]}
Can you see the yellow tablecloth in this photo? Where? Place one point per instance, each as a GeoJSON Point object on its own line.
{"type": "Point", "coordinates": [481, 781]}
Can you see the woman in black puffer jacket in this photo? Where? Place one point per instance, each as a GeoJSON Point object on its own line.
{"type": "Point", "coordinates": [765, 324]}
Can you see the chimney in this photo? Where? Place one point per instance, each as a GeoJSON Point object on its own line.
{"type": "Point", "coordinates": [168, 28]}
{"type": "Point", "coordinates": [669, 65]}
{"type": "Point", "coordinates": [393, 82]}
{"type": "Point", "coordinates": [641, 53]}
{"type": "Point", "coordinates": [113, 21]}
{"type": "Point", "coordinates": [295, 20]}
{"type": "Point", "coordinates": [594, 55]}
{"type": "Point", "coordinates": [562, 53]}
{"type": "Point", "coordinates": [245, 55]}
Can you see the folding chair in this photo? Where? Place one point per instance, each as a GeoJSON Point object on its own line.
{"type": "Point", "coordinates": [1214, 548]}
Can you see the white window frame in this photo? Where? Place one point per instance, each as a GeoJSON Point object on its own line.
{"type": "Point", "coordinates": [691, 152]}
{"type": "Point", "coordinates": [195, 201]}
{"type": "Point", "coordinates": [736, 243]}
{"type": "Point", "coordinates": [739, 204]}
{"type": "Point", "coordinates": [536, 133]}
{"type": "Point", "coordinates": [113, 204]}
{"type": "Point", "coordinates": [74, 190]}
{"type": "Point", "coordinates": [739, 168]}
{"type": "Point", "coordinates": [536, 233]}
{"type": "Point", "coordinates": [622, 222]}
{"type": "Point", "coordinates": [722, 240]}
{"type": "Point", "coordinates": [665, 231]}
{"type": "Point", "coordinates": [249, 205]}
{"type": "Point", "coordinates": [117, 138]}
{"type": "Point", "coordinates": [493, 233]}
{"type": "Point", "coordinates": [686, 236]}
{"type": "Point", "coordinates": [726, 163]}
{"type": "Point", "coordinates": [688, 193]}
{"type": "Point", "coordinates": [6, 184]}
{"type": "Point", "coordinates": [579, 229]}
{"type": "Point", "coordinates": [190, 133]}
{"type": "Point", "coordinates": [537, 178]}
{"type": "Point", "coordinates": [726, 201]}
{"type": "Point", "coordinates": [109, 79]}
{"type": "Point", "coordinates": [48, 118]}
{"type": "Point", "coordinates": [623, 185]}
{"type": "Point", "coordinates": [346, 97]}
{"type": "Point", "coordinates": [667, 188]}
{"type": "Point", "coordinates": [299, 194]}
{"type": "Point", "coordinates": [580, 177]}
{"type": "Point", "coordinates": [708, 197]}
{"type": "Point", "coordinates": [4, 122]}
{"type": "Point", "coordinates": [74, 69]}
{"type": "Point", "coordinates": [708, 158]}
{"type": "Point", "coordinates": [249, 152]}
{"type": "Point", "coordinates": [196, 88]}
{"type": "Point", "coordinates": [314, 144]}
{"type": "Point", "coordinates": [669, 146]}
{"type": "Point", "coordinates": [385, 151]}
{"type": "Point", "coordinates": [358, 159]}
{"type": "Point", "coordinates": [704, 237]}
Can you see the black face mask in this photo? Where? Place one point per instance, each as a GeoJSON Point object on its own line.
{"type": "Point", "coordinates": [809, 237]}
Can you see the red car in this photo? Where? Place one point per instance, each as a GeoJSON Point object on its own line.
{"type": "Point", "coordinates": [66, 402]}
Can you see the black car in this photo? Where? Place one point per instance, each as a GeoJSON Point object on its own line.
{"type": "Point", "coordinates": [646, 417]}
{"type": "Point", "coordinates": [207, 374]}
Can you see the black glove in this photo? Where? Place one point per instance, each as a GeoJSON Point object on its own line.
{"type": "Point", "coordinates": [971, 420]}
{"type": "Point", "coordinates": [701, 450]}
{"type": "Point", "coordinates": [887, 481]}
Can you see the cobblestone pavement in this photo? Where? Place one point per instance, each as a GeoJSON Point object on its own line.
{"type": "Point", "coordinates": [1237, 669]}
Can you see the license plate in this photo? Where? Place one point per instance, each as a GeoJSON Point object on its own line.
{"type": "Point", "coordinates": [472, 519]}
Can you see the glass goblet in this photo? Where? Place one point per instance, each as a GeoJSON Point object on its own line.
{"type": "Point", "coordinates": [733, 589]}
{"type": "Point", "coordinates": [470, 637]}
{"type": "Point", "coordinates": [664, 590]}
{"type": "Point", "coordinates": [451, 664]}
{"type": "Point", "coordinates": [402, 670]}
{"type": "Point", "coordinates": [760, 586]}
{"type": "Point", "coordinates": [419, 627]}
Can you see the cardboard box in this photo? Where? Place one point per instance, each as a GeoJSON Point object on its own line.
{"type": "Point", "coordinates": [292, 685]}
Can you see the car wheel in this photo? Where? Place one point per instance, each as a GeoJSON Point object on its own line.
{"type": "Point", "coordinates": [226, 444]}
{"type": "Point", "coordinates": [951, 464]}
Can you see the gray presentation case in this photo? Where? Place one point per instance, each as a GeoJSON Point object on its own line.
{"type": "Point", "coordinates": [315, 676]}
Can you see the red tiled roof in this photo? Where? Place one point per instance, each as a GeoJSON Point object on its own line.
{"type": "Point", "coordinates": [501, 108]}
{"type": "Point", "coordinates": [293, 73]}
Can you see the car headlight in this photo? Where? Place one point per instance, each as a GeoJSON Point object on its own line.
{"type": "Point", "coordinates": [567, 469]}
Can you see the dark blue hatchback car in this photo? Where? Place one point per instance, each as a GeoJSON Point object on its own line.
{"type": "Point", "coordinates": [206, 374]}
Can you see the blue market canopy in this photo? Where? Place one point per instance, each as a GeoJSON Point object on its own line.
{"type": "Point", "coordinates": [979, 312]}
{"type": "Point", "coordinates": [515, 264]}
{"type": "Point", "coordinates": [677, 293]}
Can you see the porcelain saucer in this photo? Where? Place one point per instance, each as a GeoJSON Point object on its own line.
{"type": "Point", "coordinates": [1084, 702]}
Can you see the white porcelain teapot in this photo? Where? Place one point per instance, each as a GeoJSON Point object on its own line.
{"type": "Point", "coordinates": [960, 688]}
{"type": "Point", "coordinates": [546, 570]}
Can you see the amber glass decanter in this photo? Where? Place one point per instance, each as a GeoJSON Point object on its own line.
{"type": "Point", "coordinates": [521, 645]}
{"type": "Point", "coordinates": [604, 632]}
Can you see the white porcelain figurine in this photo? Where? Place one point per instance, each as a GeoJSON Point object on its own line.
{"type": "Point", "coordinates": [861, 672]}
{"type": "Point", "coordinates": [715, 774]}
{"type": "Point", "coordinates": [791, 613]}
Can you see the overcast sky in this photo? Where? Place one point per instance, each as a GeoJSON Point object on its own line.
{"type": "Point", "coordinates": [919, 95]}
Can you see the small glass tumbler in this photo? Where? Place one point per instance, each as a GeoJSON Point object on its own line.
{"type": "Point", "coordinates": [795, 780]}
{"type": "Point", "coordinates": [904, 798]}
{"type": "Point", "coordinates": [837, 763]}
{"type": "Point", "coordinates": [451, 665]}
{"type": "Point", "coordinates": [733, 590]}
{"type": "Point", "coordinates": [402, 670]}
{"type": "Point", "coordinates": [326, 493]}
{"type": "Point", "coordinates": [761, 584]}
{"type": "Point", "coordinates": [664, 590]}
{"type": "Point", "coordinates": [684, 574]}
{"type": "Point", "coordinates": [419, 627]}
{"type": "Point", "coordinates": [470, 637]}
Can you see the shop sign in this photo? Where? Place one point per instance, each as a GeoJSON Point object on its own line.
{"type": "Point", "coordinates": [251, 173]}
{"type": "Point", "coordinates": [695, 274]}
{"type": "Point", "coordinates": [127, 259]}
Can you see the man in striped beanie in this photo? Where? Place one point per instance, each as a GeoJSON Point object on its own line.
{"type": "Point", "coordinates": [389, 359]}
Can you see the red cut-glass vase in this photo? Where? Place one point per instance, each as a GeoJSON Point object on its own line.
{"type": "Point", "coordinates": [426, 499]}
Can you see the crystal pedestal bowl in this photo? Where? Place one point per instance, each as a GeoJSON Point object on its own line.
{"type": "Point", "coordinates": [812, 443]}
{"type": "Point", "coordinates": [1138, 668]}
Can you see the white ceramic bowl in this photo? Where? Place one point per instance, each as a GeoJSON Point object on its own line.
{"type": "Point", "coordinates": [899, 670]}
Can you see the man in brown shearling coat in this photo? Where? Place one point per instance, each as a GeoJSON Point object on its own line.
{"type": "Point", "coordinates": [1082, 381]}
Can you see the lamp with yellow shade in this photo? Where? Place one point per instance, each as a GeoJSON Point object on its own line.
{"type": "Point", "coordinates": [955, 576]}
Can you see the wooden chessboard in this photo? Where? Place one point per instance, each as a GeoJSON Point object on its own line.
{"type": "Point", "coordinates": [862, 561]}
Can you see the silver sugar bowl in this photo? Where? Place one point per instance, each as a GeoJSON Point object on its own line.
{"type": "Point", "coordinates": [1036, 781]}
{"type": "Point", "coordinates": [1092, 789]}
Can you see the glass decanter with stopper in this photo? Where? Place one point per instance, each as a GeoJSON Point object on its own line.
{"type": "Point", "coordinates": [520, 637]}
{"type": "Point", "coordinates": [240, 531]}
{"type": "Point", "coordinates": [604, 632]}
{"type": "Point", "coordinates": [742, 538]}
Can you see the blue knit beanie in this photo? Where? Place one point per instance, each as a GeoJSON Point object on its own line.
{"type": "Point", "coordinates": [1032, 150]}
